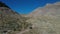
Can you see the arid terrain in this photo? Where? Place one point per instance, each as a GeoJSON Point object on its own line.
{"type": "Point", "coordinates": [43, 20]}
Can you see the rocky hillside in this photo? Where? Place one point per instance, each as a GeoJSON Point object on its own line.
{"type": "Point", "coordinates": [48, 9]}
{"type": "Point", "coordinates": [11, 21]}
{"type": "Point", "coordinates": [45, 20]}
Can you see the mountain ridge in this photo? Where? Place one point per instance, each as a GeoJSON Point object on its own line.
{"type": "Point", "coordinates": [46, 9]}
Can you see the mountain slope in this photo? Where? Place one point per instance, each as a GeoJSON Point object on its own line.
{"type": "Point", "coordinates": [49, 9]}
{"type": "Point", "coordinates": [46, 20]}
{"type": "Point", "coordinates": [11, 21]}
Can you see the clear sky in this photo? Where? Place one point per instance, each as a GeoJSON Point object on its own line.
{"type": "Point", "coordinates": [26, 6]}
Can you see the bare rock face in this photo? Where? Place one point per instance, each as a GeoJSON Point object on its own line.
{"type": "Point", "coordinates": [46, 20]}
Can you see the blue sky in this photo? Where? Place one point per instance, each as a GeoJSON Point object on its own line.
{"type": "Point", "coordinates": [26, 6]}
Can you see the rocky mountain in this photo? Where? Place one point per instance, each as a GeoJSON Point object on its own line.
{"type": "Point", "coordinates": [48, 9]}
{"type": "Point", "coordinates": [45, 20]}
{"type": "Point", "coordinates": [10, 20]}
